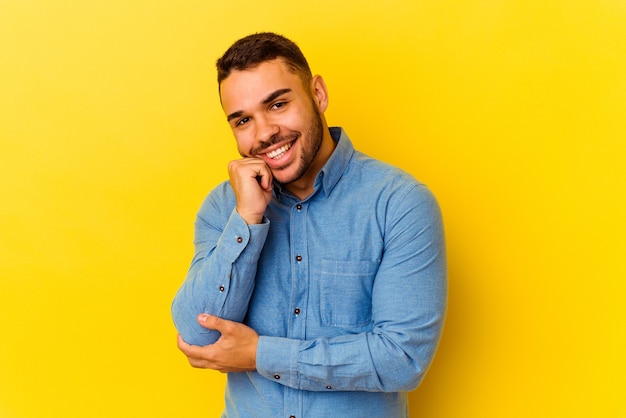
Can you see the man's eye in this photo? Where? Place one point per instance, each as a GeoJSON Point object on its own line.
{"type": "Point", "coordinates": [242, 121]}
{"type": "Point", "coordinates": [278, 105]}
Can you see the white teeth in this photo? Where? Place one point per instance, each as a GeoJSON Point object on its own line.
{"type": "Point", "coordinates": [278, 152]}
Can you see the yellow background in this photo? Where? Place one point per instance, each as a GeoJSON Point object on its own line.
{"type": "Point", "coordinates": [513, 112]}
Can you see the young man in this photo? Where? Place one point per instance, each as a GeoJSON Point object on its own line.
{"type": "Point", "coordinates": [319, 277]}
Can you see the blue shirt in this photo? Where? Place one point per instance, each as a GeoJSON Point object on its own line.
{"type": "Point", "coordinates": [346, 289]}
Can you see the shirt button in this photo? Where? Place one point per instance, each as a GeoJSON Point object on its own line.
{"type": "Point", "coordinates": [222, 288]}
{"type": "Point", "coordinates": [292, 416]}
{"type": "Point", "coordinates": [329, 387]}
{"type": "Point", "coordinates": [239, 240]}
{"type": "Point", "coordinates": [299, 207]}
{"type": "Point", "coordinates": [276, 376]}
{"type": "Point", "coordinates": [298, 258]}
{"type": "Point", "coordinates": [296, 311]}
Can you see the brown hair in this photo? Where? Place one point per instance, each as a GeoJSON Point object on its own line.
{"type": "Point", "coordinates": [252, 50]}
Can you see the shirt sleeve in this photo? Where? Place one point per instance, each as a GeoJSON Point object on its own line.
{"type": "Point", "coordinates": [220, 280]}
{"type": "Point", "coordinates": [408, 309]}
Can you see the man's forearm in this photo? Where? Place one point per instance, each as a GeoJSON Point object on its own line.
{"type": "Point", "coordinates": [221, 279]}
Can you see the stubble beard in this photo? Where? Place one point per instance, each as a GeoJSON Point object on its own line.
{"type": "Point", "coordinates": [314, 136]}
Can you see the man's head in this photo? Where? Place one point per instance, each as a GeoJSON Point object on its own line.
{"type": "Point", "coordinates": [255, 49]}
{"type": "Point", "coordinates": [275, 108]}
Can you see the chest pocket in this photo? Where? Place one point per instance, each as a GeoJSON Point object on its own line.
{"type": "Point", "coordinates": [346, 292]}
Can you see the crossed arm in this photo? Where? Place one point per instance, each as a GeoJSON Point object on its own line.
{"type": "Point", "coordinates": [392, 357]}
{"type": "Point", "coordinates": [408, 305]}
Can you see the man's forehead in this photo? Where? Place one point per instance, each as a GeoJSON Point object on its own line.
{"type": "Point", "coordinates": [254, 85]}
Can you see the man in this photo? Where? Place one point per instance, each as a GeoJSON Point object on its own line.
{"type": "Point", "coordinates": [319, 277]}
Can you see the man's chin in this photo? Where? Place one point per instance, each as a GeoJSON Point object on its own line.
{"type": "Point", "coordinates": [285, 176]}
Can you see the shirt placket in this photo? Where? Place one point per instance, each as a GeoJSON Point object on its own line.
{"type": "Point", "coordinates": [299, 293]}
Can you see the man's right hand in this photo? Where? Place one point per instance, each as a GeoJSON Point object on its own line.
{"type": "Point", "coordinates": [251, 180]}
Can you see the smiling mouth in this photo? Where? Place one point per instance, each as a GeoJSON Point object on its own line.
{"type": "Point", "coordinates": [277, 153]}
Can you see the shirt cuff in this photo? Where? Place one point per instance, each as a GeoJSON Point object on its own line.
{"type": "Point", "coordinates": [277, 360]}
{"type": "Point", "coordinates": [243, 242]}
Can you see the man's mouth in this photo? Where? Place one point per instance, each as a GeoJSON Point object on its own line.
{"type": "Point", "coordinates": [277, 153]}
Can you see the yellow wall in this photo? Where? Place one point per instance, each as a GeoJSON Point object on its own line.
{"type": "Point", "coordinates": [514, 112]}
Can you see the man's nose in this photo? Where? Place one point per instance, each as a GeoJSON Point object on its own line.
{"type": "Point", "coordinates": [266, 128]}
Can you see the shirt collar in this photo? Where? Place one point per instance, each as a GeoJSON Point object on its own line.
{"type": "Point", "coordinates": [334, 168]}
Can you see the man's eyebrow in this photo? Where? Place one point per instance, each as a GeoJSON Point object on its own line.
{"type": "Point", "coordinates": [270, 98]}
{"type": "Point", "coordinates": [274, 95]}
{"type": "Point", "coordinates": [234, 115]}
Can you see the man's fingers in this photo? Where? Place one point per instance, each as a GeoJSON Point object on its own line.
{"type": "Point", "coordinates": [212, 322]}
{"type": "Point", "coordinates": [184, 346]}
{"type": "Point", "coordinates": [264, 177]}
{"type": "Point", "coordinates": [251, 180]}
{"type": "Point", "coordinates": [194, 354]}
{"type": "Point", "coordinates": [234, 351]}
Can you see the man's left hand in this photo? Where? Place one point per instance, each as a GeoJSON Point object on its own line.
{"type": "Point", "coordinates": [234, 351]}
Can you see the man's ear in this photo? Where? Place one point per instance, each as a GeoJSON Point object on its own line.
{"type": "Point", "coordinates": [319, 92]}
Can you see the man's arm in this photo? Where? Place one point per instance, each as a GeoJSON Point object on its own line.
{"type": "Point", "coordinates": [220, 280]}
{"type": "Point", "coordinates": [230, 232]}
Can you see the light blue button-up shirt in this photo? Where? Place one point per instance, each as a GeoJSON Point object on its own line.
{"type": "Point", "coordinates": [346, 289]}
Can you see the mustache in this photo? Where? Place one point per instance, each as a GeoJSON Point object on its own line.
{"type": "Point", "coordinates": [274, 139]}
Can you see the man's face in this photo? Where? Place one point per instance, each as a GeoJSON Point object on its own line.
{"type": "Point", "coordinates": [275, 118]}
